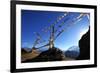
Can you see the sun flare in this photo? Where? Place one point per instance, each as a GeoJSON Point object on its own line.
{"type": "Point", "coordinates": [82, 33]}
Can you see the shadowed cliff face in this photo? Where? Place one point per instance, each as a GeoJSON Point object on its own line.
{"type": "Point", "coordinates": [84, 44]}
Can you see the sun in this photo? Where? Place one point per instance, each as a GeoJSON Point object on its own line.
{"type": "Point", "coordinates": [82, 33]}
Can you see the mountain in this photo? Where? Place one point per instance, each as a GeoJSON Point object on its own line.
{"type": "Point", "coordinates": [28, 54]}
{"type": "Point", "coordinates": [74, 48]}
{"type": "Point", "coordinates": [53, 54]}
{"type": "Point", "coordinates": [72, 52]}
{"type": "Point", "coordinates": [84, 44]}
{"type": "Point", "coordinates": [26, 49]}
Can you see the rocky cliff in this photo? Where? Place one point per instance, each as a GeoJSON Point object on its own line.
{"type": "Point", "coordinates": [84, 45]}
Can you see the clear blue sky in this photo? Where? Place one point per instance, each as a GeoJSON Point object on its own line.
{"type": "Point", "coordinates": [35, 21]}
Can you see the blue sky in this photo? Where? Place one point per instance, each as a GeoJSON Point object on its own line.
{"type": "Point", "coordinates": [36, 21]}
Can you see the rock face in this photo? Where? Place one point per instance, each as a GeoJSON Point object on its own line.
{"type": "Point", "coordinates": [84, 45]}
{"type": "Point", "coordinates": [53, 54]}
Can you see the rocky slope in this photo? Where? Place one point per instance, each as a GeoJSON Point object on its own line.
{"type": "Point", "coordinates": [53, 54]}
